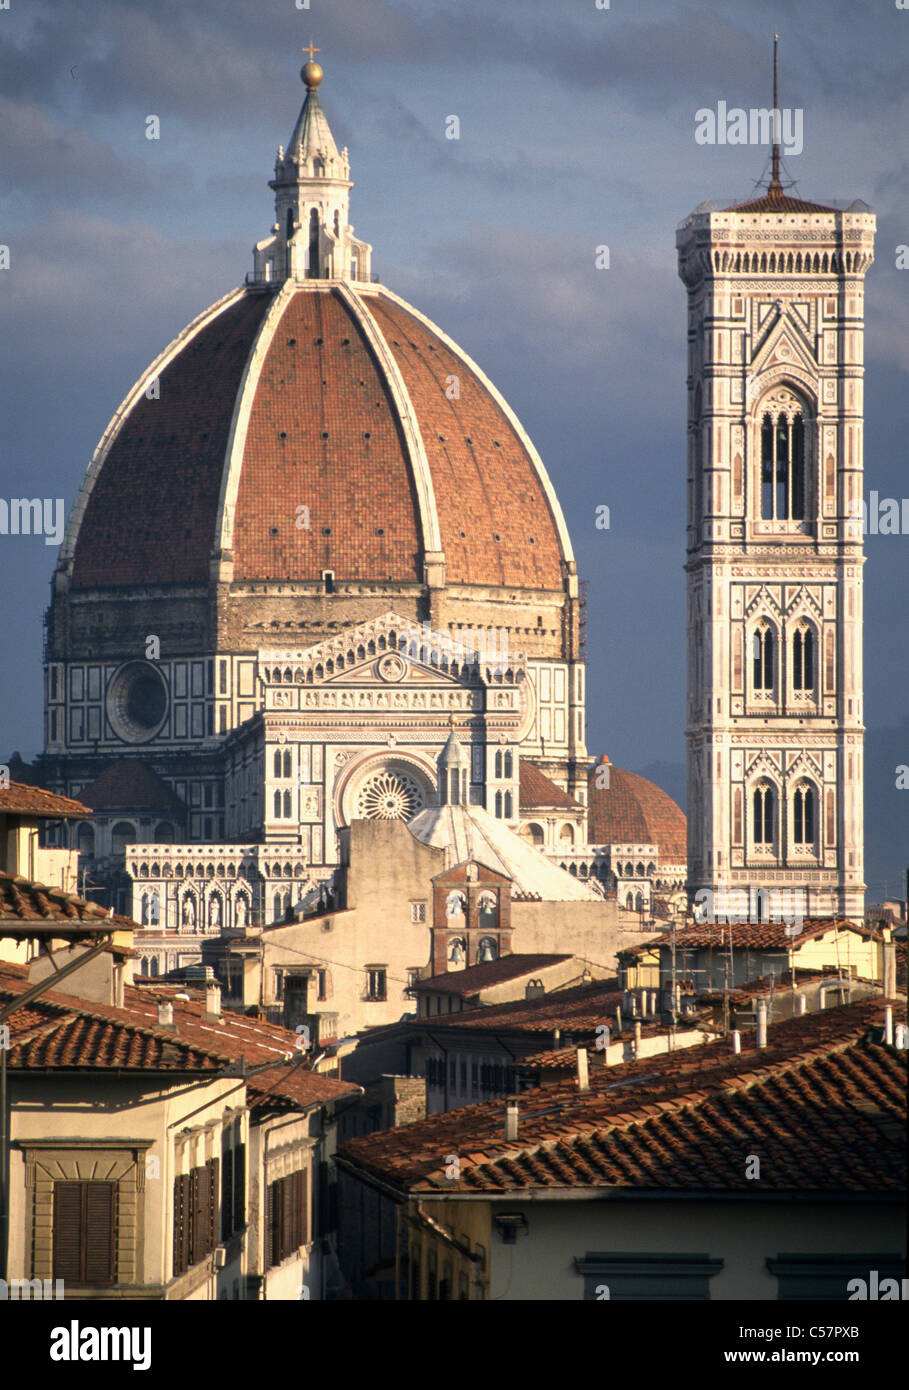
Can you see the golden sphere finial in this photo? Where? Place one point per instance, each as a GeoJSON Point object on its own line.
{"type": "Point", "coordinates": [311, 73]}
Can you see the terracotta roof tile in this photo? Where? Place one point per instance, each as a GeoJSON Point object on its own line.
{"type": "Point", "coordinates": [746, 935]}
{"type": "Point", "coordinates": [493, 972]}
{"type": "Point", "coordinates": [61, 1031]}
{"type": "Point", "coordinates": [773, 201]}
{"type": "Point", "coordinates": [150, 517]}
{"type": "Point", "coordinates": [19, 798]}
{"type": "Point", "coordinates": [130, 784]}
{"type": "Point", "coordinates": [495, 522]}
{"type": "Point", "coordinates": [574, 1010]}
{"type": "Point", "coordinates": [633, 809]}
{"type": "Point", "coordinates": [537, 790]}
{"type": "Point", "coordinates": [324, 432]}
{"type": "Point", "coordinates": [30, 903]}
{"type": "Point", "coordinates": [823, 1105]}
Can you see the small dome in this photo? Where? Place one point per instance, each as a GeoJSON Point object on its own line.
{"type": "Point", "coordinates": [630, 808]}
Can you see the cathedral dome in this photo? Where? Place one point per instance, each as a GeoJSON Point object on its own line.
{"type": "Point", "coordinates": [629, 809]}
{"type": "Point", "coordinates": [320, 426]}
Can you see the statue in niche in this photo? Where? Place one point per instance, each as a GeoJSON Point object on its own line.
{"type": "Point", "coordinates": [240, 912]}
{"type": "Point", "coordinates": [189, 913]}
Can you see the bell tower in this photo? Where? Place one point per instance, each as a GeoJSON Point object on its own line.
{"type": "Point", "coordinates": [774, 551]}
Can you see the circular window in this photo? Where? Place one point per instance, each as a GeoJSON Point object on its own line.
{"type": "Point", "coordinates": [137, 701]}
{"type": "Point", "coordinates": [389, 795]}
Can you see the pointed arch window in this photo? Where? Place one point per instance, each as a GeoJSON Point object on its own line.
{"type": "Point", "coordinates": [287, 810]}
{"type": "Point", "coordinates": [287, 763]}
{"type": "Point", "coordinates": [314, 245]}
{"type": "Point", "coordinates": [277, 762]}
{"type": "Point", "coordinates": [277, 805]}
{"type": "Point", "coordinates": [763, 659]}
{"type": "Point", "coordinates": [499, 763]}
{"type": "Point", "coordinates": [763, 816]}
{"type": "Point", "coordinates": [804, 815]}
{"type": "Point", "coordinates": [782, 465]}
{"type": "Point", "coordinates": [804, 659]}
{"type": "Point", "coordinates": [509, 764]}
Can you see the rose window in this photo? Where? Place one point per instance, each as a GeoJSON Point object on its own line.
{"type": "Point", "coordinates": [389, 796]}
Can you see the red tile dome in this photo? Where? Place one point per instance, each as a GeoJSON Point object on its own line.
{"type": "Point", "coordinates": [632, 809]}
{"type": "Point", "coordinates": [315, 427]}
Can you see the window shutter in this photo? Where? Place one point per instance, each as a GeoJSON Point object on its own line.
{"type": "Point", "coordinates": [227, 1191]}
{"type": "Point", "coordinates": [181, 1223]}
{"type": "Point", "coordinates": [196, 1215]}
{"type": "Point", "coordinates": [239, 1187]}
{"type": "Point", "coordinates": [212, 1207]}
{"type": "Point", "coordinates": [287, 1217]}
{"type": "Point", "coordinates": [302, 1179]}
{"type": "Point", "coordinates": [270, 1219]}
{"type": "Point", "coordinates": [100, 1198]}
{"type": "Point", "coordinates": [68, 1231]}
{"type": "Point", "coordinates": [84, 1232]}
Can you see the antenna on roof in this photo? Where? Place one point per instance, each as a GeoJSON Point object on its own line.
{"type": "Point", "coordinates": [776, 188]}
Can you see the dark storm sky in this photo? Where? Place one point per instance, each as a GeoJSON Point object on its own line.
{"type": "Point", "coordinates": [577, 129]}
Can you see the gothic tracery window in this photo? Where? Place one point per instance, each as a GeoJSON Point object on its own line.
{"type": "Point", "coordinates": [804, 815]}
{"type": "Point", "coordinates": [763, 816]}
{"type": "Point", "coordinates": [782, 442]}
{"type": "Point", "coordinates": [763, 658]}
{"type": "Point", "coordinates": [804, 659]}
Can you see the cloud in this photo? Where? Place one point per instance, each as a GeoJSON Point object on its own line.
{"type": "Point", "coordinates": [40, 155]}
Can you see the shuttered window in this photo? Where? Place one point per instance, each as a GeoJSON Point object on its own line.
{"type": "Point", "coordinates": [195, 1215]}
{"type": "Point", "coordinates": [84, 1232]}
{"type": "Point", "coordinates": [239, 1187]}
{"type": "Point", "coordinates": [181, 1223]}
{"type": "Point", "coordinates": [286, 1213]}
{"type": "Point", "coordinates": [233, 1190]}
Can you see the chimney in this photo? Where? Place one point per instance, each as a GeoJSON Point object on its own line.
{"type": "Point", "coordinates": [583, 1077]}
{"type": "Point", "coordinates": [556, 1039]}
{"type": "Point", "coordinates": [637, 1038]}
{"type": "Point", "coordinates": [511, 1121]}
{"type": "Point", "coordinates": [888, 1025]}
{"type": "Point", "coordinates": [762, 1023]}
{"type": "Point", "coordinates": [736, 1037]}
{"type": "Point", "coordinates": [618, 1018]}
{"type": "Point", "coordinates": [165, 1014]}
{"type": "Point", "coordinates": [901, 1038]}
{"type": "Point", "coordinates": [213, 1000]}
{"type": "Point", "coordinates": [801, 1004]}
{"type": "Point", "coordinates": [888, 964]}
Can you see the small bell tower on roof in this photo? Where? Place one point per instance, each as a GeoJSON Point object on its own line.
{"type": "Point", "coordinates": [454, 772]}
{"type": "Point", "coordinates": [311, 238]}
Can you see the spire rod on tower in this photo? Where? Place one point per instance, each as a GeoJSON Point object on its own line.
{"type": "Point", "coordinates": [776, 188]}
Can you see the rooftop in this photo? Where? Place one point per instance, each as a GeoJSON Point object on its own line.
{"type": "Point", "coordinates": [494, 972]}
{"type": "Point", "coordinates": [578, 1009]}
{"type": "Point", "coordinates": [823, 1104]}
{"type": "Point", "coordinates": [537, 790]}
{"type": "Point", "coordinates": [21, 799]}
{"type": "Point", "coordinates": [62, 1033]}
{"type": "Point", "coordinates": [747, 935]}
{"type": "Point", "coordinates": [128, 784]}
{"type": "Point", "coordinates": [33, 908]}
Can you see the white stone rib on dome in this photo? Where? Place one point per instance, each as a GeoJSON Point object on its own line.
{"type": "Point", "coordinates": [470, 832]}
{"type": "Point", "coordinates": [549, 491]}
